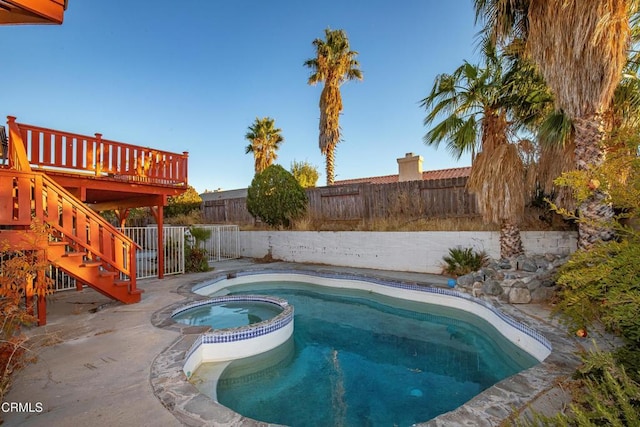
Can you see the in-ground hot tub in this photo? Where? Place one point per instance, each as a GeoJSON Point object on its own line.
{"type": "Point", "coordinates": [223, 313]}
{"type": "Point", "coordinates": [243, 326]}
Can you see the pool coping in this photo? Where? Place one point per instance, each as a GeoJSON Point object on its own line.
{"type": "Point", "coordinates": [497, 404]}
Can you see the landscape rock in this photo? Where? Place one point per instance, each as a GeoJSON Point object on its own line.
{"type": "Point", "coordinates": [519, 296]}
{"type": "Point", "coordinates": [542, 295]}
{"type": "Point", "coordinates": [534, 284]}
{"type": "Point", "coordinates": [476, 290]}
{"type": "Point", "coordinates": [518, 280]}
{"type": "Point", "coordinates": [466, 280]}
{"type": "Point", "coordinates": [492, 287]}
{"type": "Point", "coordinates": [519, 284]}
{"type": "Point", "coordinates": [528, 265]}
{"type": "Point", "coordinates": [505, 264]}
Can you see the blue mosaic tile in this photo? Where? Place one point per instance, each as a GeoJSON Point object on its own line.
{"type": "Point", "coordinates": [243, 332]}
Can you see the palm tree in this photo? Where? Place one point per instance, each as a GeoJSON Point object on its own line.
{"type": "Point", "coordinates": [265, 140]}
{"type": "Point", "coordinates": [478, 114]}
{"type": "Point", "coordinates": [334, 65]}
{"type": "Point", "coordinates": [580, 48]}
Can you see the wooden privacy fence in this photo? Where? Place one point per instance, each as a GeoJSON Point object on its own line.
{"type": "Point", "coordinates": [411, 199]}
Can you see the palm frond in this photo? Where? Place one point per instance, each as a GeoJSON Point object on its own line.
{"type": "Point", "coordinates": [497, 180]}
{"type": "Point", "coordinates": [581, 49]}
{"type": "Point", "coordinates": [265, 140]}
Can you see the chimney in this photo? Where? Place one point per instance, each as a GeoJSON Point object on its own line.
{"type": "Point", "coordinates": [410, 168]}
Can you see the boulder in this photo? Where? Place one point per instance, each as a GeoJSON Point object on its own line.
{"type": "Point", "coordinates": [492, 287]}
{"type": "Point", "coordinates": [466, 280]}
{"type": "Point", "coordinates": [519, 296]}
{"type": "Point", "coordinates": [504, 264]}
{"type": "Point", "coordinates": [527, 264]}
{"type": "Point", "coordinates": [542, 294]}
{"type": "Point", "coordinates": [534, 284]}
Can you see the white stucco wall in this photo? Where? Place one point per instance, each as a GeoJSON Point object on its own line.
{"type": "Point", "coordinates": [402, 251]}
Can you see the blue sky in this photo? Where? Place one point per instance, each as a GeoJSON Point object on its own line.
{"type": "Point", "coordinates": [192, 75]}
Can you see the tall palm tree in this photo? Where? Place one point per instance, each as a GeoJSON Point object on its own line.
{"type": "Point", "coordinates": [478, 112]}
{"type": "Point", "coordinates": [265, 140]}
{"type": "Point", "coordinates": [334, 64]}
{"type": "Point", "coordinates": [580, 47]}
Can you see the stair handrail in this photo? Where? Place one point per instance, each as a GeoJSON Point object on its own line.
{"type": "Point", "coordinates": [18, 159]}
{"type": "Point", "coordinates": [36, 195]}
{"type": "Point", "coordinates": [97, 248]}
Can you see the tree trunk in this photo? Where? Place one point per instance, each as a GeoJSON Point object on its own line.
{"type": "Point", "coordinates": [595, 213]}
{"type": "Point", "coordinates": [510, 240]}
{"type": "Point", "coordinates": [330, 159]}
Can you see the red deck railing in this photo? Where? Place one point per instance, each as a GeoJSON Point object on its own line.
{"type": "Point", "coordinates": [66, 152]}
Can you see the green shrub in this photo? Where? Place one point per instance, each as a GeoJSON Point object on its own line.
{"type": "Point", "coordinates": [305, 173]}
{"type": "Point", "coordinates": [195, 260]}
{"type": "Point", "coordinates": [461, 261]}
{"type": "Point", "coordinates": [200, 234]}
{"type": "Point", "coordinates": [605, 395]}
{"type": "Point", "coordinates": [602, 285]}
{"type": "Point", "coordinates": [183, 204]}
{"type": "Point", "coordinates": [195, 256]}
{"type": "Point", "coordinates": [276, 197]}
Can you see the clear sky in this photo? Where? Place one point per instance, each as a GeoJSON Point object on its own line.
{"type": "Point", "coordinates": [192, 75]}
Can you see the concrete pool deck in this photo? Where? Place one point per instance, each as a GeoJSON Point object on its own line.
{"type": "Point", "coordinates": [101, 363]}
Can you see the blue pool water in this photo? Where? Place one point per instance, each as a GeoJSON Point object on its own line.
{"type": "Point", "coordinates": [229, 314]}
{"type": "Point", "coordinates": [359, 359]}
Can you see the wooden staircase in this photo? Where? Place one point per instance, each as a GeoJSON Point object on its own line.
{"type": "Point", "coordinates": [92, 272]}
{"type": "Point", "coordinates": [81, 243]}
{"type": "Point", "coordinates": [61, 180]}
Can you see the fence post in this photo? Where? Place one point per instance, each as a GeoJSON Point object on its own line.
{"type": "Point", "coordinates": [218, 233]}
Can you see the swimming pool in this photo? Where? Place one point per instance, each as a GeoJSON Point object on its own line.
{"type": "Point", "coordinates": [359, 357]}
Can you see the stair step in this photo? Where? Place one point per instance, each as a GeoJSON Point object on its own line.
{"type": "Point", "coordinates": [122, 283]}
{"type": "Point", "coordinates": [91, 264]}
{"type": "Point", "coordinates": [74, 254]}
{"type": "Point", "coordinates": [105, 273]}
{"type": "Point", "coordinates": [58, 243]}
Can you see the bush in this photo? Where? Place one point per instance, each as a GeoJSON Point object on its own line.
{"type": "Point", "coordinates": [605, 395]}
{"type": "Point", "coordinates": [195, 260]}
{"type": "Point", "coordinates": [184, 204]}
{"type": "Point", "coordinates": [195, 257]}
{"type": "Point", "coordinates": [305, 173]}
{"type": "Point", "coordinates": [461, 261]}
{"type": "Point", "coordinates": [276, 197]}
{"type": "Point", "coordinates": [21, 273]}
{"type": "Point", "coordinates": [603, 284]}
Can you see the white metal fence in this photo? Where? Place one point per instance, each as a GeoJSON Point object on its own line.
{"type": "Point", "coordinates": [222, 244]}
{"type": "Point", "coordinates": [147, 255]}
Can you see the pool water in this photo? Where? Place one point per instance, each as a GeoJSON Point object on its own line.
{"type": "Point", "coordinates": [231, 314]}
{"type": "Point", "coordinates": [360, 359]}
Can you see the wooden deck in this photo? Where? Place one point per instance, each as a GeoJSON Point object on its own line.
{"type": "Point", "coordinates": [102, 173]}
{"type": "Point", "coordinates": [32, 11]}
{"type": "Point", "coordinates": [63, 180]}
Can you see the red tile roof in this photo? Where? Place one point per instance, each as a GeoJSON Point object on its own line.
{"type": "Point", "coordinates": [426, 176]}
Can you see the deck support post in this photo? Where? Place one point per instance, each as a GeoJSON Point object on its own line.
{"type": "Point", "coordinates": [122, 214]}
{"type": "Point", "coordinates": [158, 213]}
